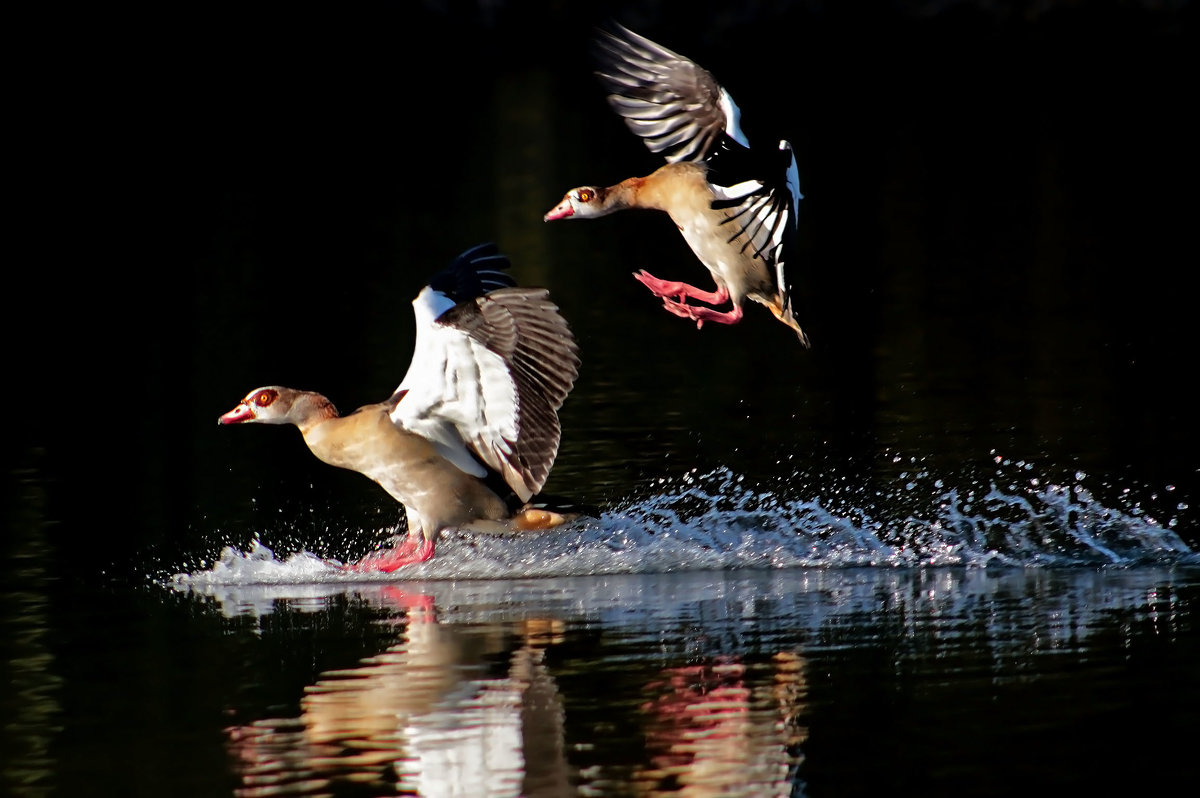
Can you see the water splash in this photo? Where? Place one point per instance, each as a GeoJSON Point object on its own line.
{"type": "Point", "coordinates": [717, 521]}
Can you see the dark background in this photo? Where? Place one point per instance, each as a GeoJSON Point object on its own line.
{"type": "Point", "coordinates": [997, 251]}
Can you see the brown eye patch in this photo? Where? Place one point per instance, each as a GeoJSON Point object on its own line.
{"type": "Point", "coordinates": [586, 195]}
{"type": "Point", "coordinates": [265, 398]}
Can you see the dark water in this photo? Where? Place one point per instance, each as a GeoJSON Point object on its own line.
{"type": "Point", "coordinates": [950, 549]}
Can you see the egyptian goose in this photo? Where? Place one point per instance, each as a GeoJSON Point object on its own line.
{"type": "Point", "coordinates": [735, 206]}
{"type": "Point", "coordinates": [469, 436]}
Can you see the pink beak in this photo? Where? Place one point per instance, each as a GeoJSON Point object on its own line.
{"type": "Point", "coordinates": [560, 211]}
{"type": "Point", "coordinates": [242, 412]}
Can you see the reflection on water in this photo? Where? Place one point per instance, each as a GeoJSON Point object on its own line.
{"type": "Point", "coordinates": [685, 684]}
{"type": "Point", "coordinates": [430, 716]}
{"type": "Point", "coordinates": [424, 716]}
{"type": "Point", "coordinates": [724, 728]}
{"type": "Point", "coordinates": [30, 706]}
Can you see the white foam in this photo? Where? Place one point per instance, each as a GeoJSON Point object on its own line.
{"type": "Point", "coordinates": [716, 522]}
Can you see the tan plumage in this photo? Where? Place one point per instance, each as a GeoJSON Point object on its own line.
{"type": "Point", "coordinates": [471, 433]}
{"type": "Point", "coordinates": [734, 206]}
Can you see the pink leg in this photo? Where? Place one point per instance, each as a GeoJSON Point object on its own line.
{"type": "Point", "coordinates": [415, 548]}
{"type": "Point", "coordinates": [410, 601]}
{"type": "Point", "coordinates": [666, 288]}
{"type": "Point", "coordinates": [701, 315]}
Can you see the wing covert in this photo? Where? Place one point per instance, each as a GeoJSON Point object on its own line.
{"type": "Point", "coordinates": [487, 378]}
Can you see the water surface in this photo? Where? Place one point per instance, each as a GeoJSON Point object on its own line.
{"type": "Point", "coordinates": [951, 549]}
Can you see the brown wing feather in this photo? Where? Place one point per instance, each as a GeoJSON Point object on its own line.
{"type": "Point", "coordinates": [524, 327]}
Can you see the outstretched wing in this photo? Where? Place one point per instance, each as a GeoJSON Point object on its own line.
{"type": "Point", "coordinates": [492, 365]}
{"type": "Point", "coordinates": [679, 110]}
{"type": "Point", "coordinates": [762, 194]}
{"type": "Point", "coordinates": [478, 271]}
{"type": "Point", "coordinates": [670, 102]}
{"type": "Point", "coordinates": [761, 210]}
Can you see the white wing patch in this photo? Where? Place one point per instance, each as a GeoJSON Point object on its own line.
{"type": "Point", "coordinates": [736, 191]}
{"type": "Point", "coordinates": [429, 305]}
{"type": "Point", "coordinates": [764, 215]}
{"type": "Point", "coordinates": [793, 177]}
{"type": "Point", "coordinates": [455, 383]}
{"type": "Point", "coordinates": [733, 118]}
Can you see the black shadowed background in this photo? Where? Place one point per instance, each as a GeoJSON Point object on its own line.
{"type": "Point", "coordinates": [996, 244]}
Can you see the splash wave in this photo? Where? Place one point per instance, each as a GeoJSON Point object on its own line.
{"type": "Point", "coordinates": [716, 521]}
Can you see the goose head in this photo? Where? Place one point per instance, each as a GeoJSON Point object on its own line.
{"type": "Point", "coordinates": [584, 202]}
{"type": "Point", "coordinates": [273, 404]}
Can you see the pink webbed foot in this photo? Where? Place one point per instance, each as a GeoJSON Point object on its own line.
{"type": "Point", "coordinates": [701, 315]}
{"type": "Point", "coordinates": [680, 291]}
{"type": "Point", "coordinates": [415, 549]}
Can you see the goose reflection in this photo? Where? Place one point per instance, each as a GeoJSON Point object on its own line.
{"type": "Point", "coordinates": [724, 727]}
{"type": "Point", "coordinates": [472, 708]}
{"type": "Point", "coordinates": [430, 716]}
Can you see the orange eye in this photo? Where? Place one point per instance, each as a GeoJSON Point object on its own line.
{"type": "Point", "coordinates": [265, 398]}
{"type": "Point", "coordinates": [586, 195]}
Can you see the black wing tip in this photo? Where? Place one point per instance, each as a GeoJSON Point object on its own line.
{"type": "Point", "coordinates": [476, 271]}
{"type": "Point", "coordinates": [482, 257]}
{"type": "Point", "coordinates": [731, 162]}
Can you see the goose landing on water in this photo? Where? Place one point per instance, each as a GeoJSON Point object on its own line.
{"type": "Point", "coordinates": [468, 438]}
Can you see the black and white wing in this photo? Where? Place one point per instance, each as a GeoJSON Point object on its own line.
{"type": "Point", "coordinates": [492, 365]}
{"type": "Point", "coordinates": [680, 110]}
{"type": "Point", "coordinates": [673, 104]}
{"type": "Point", "coordinates": [762, 193]}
